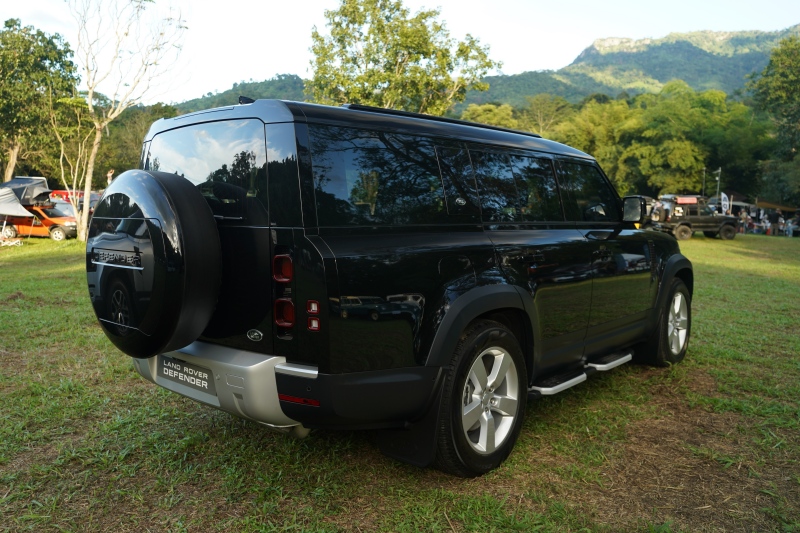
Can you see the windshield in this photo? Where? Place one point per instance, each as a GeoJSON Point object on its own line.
{"type": "Point", "coordinates": [52, 212]}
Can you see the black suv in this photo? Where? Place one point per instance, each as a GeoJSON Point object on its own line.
{"type": "Point", "coordinates": [306, 266]}
{"type": "Point", "coordinates": [682, 215]}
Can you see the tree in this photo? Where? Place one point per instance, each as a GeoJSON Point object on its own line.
{"type": "Point", "coordinates": [73, 131]}
{"type": "Point", "coordinates": [122, 48]}
{"type": "Point", "coordinates": [597, 130]}
{"type": "Point", "coordinates": [32, 65]}
{"type": "Point", "coordinates": [777, 90]}
{"type": "Point", "coordinates": [495, 115]}
{"type": "Point", "coordinates": [544, 111]}
{"type": "Point", "coordinates": [377, 54]}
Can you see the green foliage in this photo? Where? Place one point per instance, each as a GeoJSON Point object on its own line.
{"type": "Point", "coordinates": [660, 143]}
{"type": "Point", "coordinates": [777, 90]}
{"type": "Point", "coordinates": [596, 130]}
{"type": "Point", "coordinates": [72, 129]}
{"type": "Point", "coordinates": [32, 65]}
{"type": "Point", "coordinates": [281, 87]}
{"type": "Point", "coordinates": [495, 115]}
{"type": "Point", "coordinates": [544, 112]}
{"type": "Point", "coordinates": [378, 54]}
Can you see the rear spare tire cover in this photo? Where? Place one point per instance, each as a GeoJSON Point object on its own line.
{"type": "Point", "coordinates": [153, 262]}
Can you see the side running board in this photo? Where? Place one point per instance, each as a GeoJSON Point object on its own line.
{"type": "Point", "coordinates": [610, 361]}
{"type": "Point", "coordinates": [555, 384]}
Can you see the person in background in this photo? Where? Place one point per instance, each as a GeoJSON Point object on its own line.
{"type": "Point", "coordinates": [743, 221]}
{"type": "Point", "coordinates": [110, 176]}
{"type": "Point", "coordinates": [792, 225]}
{"type": "Point", "coordinates": [773, 219]}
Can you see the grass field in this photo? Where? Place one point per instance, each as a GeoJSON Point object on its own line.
{"type": "Point", "coordinates": [712, 444]}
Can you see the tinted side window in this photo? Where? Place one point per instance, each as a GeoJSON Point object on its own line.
{"type": "Point", "coordinates": [537, 188]}
{"type": "Point", "coordinates": [498, 190]}
{"type": "Point", "coordinates": [369, 177]}
{"type": "Point", "coordinates": [460, 192]}
{"type": "Point", "coordinates": [587, 196]}
{"type": "Point", "coordinates": [225, 160]}
{"type": "Point", "coordinates": [516, 188]}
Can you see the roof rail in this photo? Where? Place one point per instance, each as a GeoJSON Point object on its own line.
{"type": "Point", "coordinates": [372, 109]}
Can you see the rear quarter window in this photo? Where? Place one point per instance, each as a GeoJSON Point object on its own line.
{"type": "Point", "coordinates": [226, 160]}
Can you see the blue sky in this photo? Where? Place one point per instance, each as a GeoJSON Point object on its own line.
{"type": "Point", "coordinates": [228, 42]}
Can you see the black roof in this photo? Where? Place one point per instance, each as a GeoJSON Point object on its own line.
{"type": "Point", "coordinates": [275, 111]}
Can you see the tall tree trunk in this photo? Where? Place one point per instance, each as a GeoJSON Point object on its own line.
{"type": "Point", "coordinates": [83, 227]}
{"type": "Point", "coordinates": [13, 153]}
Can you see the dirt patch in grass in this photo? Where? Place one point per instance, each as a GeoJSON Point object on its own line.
{"type": "Point", "coordinates": [15, 296]}
{"type": "Point", "coordinates": [695, 469]}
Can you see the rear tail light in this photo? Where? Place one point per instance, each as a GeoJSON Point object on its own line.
{"type": "Point", "coordinates": [284, 313]}
{"type": "Point", "coordinates": [282, 269]}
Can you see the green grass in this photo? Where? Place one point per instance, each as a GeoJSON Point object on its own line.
{"type": "Point", "coordinates": [710, 444]}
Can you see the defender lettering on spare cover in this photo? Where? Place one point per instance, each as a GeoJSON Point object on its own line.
{"type": "Point", "coordinates": [307, 266]}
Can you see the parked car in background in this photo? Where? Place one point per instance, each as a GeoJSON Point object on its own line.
{"type": "Point", "coordinates": [47, 221]}
{"type": "Point", "coordinates": [65, 207]}
{"type": "Point", "coordinates": [682, 215]}
{"type": "Point", "coordinates": [64, 195]}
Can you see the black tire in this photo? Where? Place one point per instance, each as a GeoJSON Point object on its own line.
{"type": "Point", "coordinates": [10, 231]}
{"type": "Point", "coordinates": [374, 315]}
{"type": "Point", "coordinates": [727, 232]}
{"type": "Point", "coordinates": [683, 232]}
{"type": "Point", "coordinates": [667, 345]}
{"type": "Point", "coordinates": [498, 406]}
{"type": "Point", "coordinates": [710, 234]}
{"type": "Point", "coordinates": [58, 234]}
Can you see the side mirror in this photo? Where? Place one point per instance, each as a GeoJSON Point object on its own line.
{"type": "Point", "coordinates": [634, 209]}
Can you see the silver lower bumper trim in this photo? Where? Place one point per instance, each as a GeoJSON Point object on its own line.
{"type": "Point", "coordinates": [244, 382]}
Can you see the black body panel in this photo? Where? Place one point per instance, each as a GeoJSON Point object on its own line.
{"type": "Point", "coordinates": [360, 400]}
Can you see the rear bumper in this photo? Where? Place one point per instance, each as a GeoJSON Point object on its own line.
{"type": "Point", "coordinates": [244, 381]}
{"type": "Point", "coordinates": [362, 400]}
{"type": "Point", "coordinates": [268, 390]}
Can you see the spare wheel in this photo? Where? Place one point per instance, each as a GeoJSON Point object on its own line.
{"type": "Point", "coordinates": [153, 262]}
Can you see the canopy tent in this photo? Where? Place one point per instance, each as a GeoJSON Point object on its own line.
{"type": "Point", "coordinates": [770, 205]}
{"type": "Point", "coordinates": [10, 207]}
{"type": "Point", "coordinates": [28, 190]}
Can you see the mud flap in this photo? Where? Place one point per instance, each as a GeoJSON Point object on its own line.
{"type": "Point", "coordinates": [416, 443]}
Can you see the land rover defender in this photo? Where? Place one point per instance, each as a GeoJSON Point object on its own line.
{"type": "Point", "coordinates": [306, 266]}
